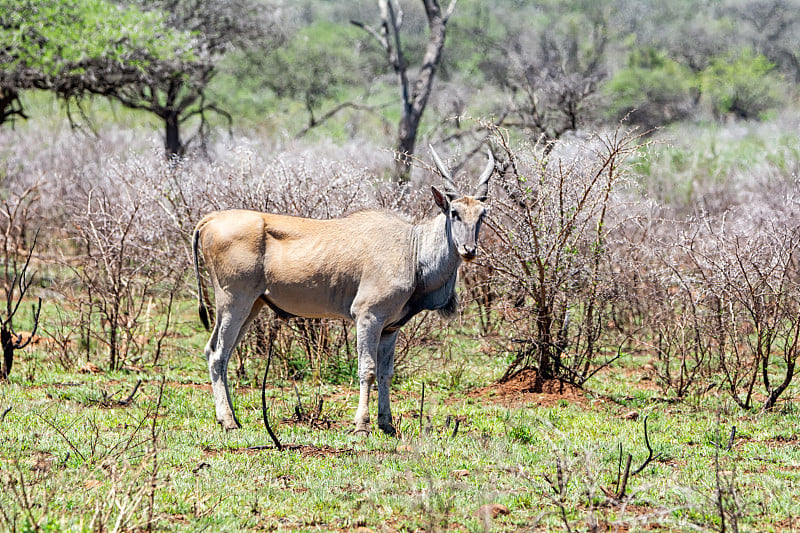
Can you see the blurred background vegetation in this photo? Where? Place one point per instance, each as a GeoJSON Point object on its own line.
{"type": "Point", "coordinates": [289, 69]}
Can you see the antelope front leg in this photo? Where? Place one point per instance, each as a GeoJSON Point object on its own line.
{"type": "Point", "coordinates": [367, 335]}
{"type": "Point", "coordinates": [385, 373]}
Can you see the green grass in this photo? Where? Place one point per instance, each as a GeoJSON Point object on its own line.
{"type": "Point", "coordinates": [83, 459]}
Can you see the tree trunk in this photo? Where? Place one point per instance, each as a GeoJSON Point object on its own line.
{"type": "Point", "coordinates": [775, 393]}
{"type": "Point", "coordinates": [544, 324]}
{"type": "Point", "coordinates": [7, 342]}
{"type": "Point", "coordinates": [10, 105]}
{"type": "Point", "coordinates": [414, 104]}
{"type": "Point", "coordinates": [406, 142]}
{"type": "Point", "coordinates": [172, 135]}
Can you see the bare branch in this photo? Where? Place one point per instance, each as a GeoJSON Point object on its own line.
{"type": "Point", "coordinates": [382, 41]}
{"type": "Point", "coordinates": [272, 435]}
{"type": "Point", "coordinates": [421, 407]}
{"type": "Point", "coordinates": [314, 122]}
{"type": "Point", "coordinates": [129, 399]}
{"type": "Point", "coordinates": [449, 10]}
{"type": "Point", "coordinates": [649, 449]}
{"type": "Point", "coordinates": [20, 343]}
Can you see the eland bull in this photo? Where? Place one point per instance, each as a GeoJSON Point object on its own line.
{"type": "Point", "coordinates": [371, 268]}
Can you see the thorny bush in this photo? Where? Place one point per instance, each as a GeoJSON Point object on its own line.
{"type": "Point", "coordinates": [747, 282]}
{"type": "Point", "coordinates": [550, 255]}
{"type": "Point", "coordinates": [578, 266]}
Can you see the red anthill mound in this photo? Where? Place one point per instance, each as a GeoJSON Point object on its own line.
{"type": "Point", "coordinates": [523, 387]}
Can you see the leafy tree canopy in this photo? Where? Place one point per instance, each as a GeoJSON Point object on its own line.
{"type": "Point", "coordinates": [317, 61]}
{"type": "Point", "coordinates": [743, 83]}
{"type": "Point", "coordinates": [653, 88]}
{"type": "Point", "coordinates": [72, 46]}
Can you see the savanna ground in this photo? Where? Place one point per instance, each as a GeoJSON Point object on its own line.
{"type": "Point", "coordinates": [78, 451]}
{"type": "Point", "coordinates": [117, 433]}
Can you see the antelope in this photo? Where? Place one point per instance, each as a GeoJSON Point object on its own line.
{"type": "Point", "coordinates": [371, 268]}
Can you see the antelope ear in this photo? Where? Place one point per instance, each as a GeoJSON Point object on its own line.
{"type": "Point", "coordinates": [440, 199]}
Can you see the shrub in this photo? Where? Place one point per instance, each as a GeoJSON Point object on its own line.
{"type": "Point", "coordinates": [550, 255]}
{"type": "Point", "coordinates": [745, 270]}
{"type": "Point", "coordinates": [743, 84]}
{"type": "Point", "coordinates": [652, 90]}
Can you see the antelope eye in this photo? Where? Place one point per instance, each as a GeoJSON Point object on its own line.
{"type": "Point", "coordinates": [454, 215]}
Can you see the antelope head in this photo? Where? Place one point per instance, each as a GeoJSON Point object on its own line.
{"type": "Point", "coordinates": [464, 212]}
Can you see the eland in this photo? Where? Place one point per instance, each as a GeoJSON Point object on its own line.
{"type": "Point", "coordinates": [371, 268]}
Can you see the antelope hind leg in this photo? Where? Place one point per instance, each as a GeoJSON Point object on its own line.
{"type": "Point", "coordinates": [385, 373]}
{"type": "Point", "coordinates": [229, 328]}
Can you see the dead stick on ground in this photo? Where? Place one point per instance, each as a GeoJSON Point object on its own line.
{"type": "Point", "coordinates": [129, 399]}
{"type": "Point", "coordinates": [3, 416]}
{"type": "Point", "coordinates": [278, 444]}
{"type": "Point", "coordinates": [421, 407]}
{"type": "Point", "coordinates": [649, 449]}
{"type": "Point", "coordinates": [731, 439]}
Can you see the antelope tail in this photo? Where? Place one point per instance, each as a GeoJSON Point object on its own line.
{"type": "Point", "coordinates": [201, 309]}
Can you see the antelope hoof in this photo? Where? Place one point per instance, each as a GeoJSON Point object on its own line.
{"type": "Point", "coordinates": [229, 425]}
{"type": "Point", "coordinates": [385, 423]}
{"type": "Point", "coordinates": [362, 430]}
{"type": "Point", "coordinates": [388, 429]}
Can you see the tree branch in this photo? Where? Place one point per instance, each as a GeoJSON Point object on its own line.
{"type": "Point", "coordinates": [314, 122]}
{"type": "Point", "coordinates": [384, 43]}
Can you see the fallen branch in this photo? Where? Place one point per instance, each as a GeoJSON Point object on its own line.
{"type": "Point", "coordinates": [624, 475]}
{"type": "Point", "coordinates": [421, 407]}
{"type": "Point", "coordinates": [731, 439]}
{"type": "Point", "coordinates": [278, 444]}
{"type": "Point", "coordinates": [201, 465]}
{"type": "Point", "coordinates": [106, 399]}
{"type": "Point", "coordinates": [129, 399]}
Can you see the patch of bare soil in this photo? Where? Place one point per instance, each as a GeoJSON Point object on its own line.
{"type": "Point", "coordinates": [186, 385]}
{"type": "Point", "coordinates": [306, 450]}
{"type": "Point", "coordinates": [782, 440]}
{"type": "Point", "coordinates": [791, 523]}
{"type": "Point", "coordinates": [523, 388]}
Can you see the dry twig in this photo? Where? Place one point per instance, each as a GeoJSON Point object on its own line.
{"type": "Point", "coordinates": [272, 435]}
